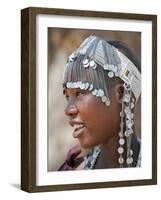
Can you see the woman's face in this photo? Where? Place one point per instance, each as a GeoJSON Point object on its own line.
{"type": "Point", "coordinates": [93, 123]}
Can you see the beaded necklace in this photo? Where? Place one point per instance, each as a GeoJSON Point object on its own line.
{"type": "Point", "coordinates": [92, 157]}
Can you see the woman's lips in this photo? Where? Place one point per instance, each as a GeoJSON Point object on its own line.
{"type": "Point", "coordinates": [78, 130]}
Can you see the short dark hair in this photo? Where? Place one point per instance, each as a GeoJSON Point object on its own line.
{"type": "Point", "coordinates": [123, 48]}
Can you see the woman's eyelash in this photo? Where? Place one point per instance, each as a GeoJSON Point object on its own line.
{"type": "Point", "coordinates": [67, 97]}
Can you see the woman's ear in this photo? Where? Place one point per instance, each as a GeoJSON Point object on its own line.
{"type": "Point", "coordinates": [119, 91]}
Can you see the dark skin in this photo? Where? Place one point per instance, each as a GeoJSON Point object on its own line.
{"type": "Point", "coordinates": [101, 124]}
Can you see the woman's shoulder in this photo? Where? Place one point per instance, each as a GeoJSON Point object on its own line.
{"type": "Point", "coordinates": [72, 159]}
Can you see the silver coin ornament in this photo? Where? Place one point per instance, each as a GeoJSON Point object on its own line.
{"type": "Point", "coordinates": [129, 160]}
{"type": "Point", "coordinates": [106, 67]}
{"type": "Point", "coordinates": [104, 99]}
{"type": "Point", "coordinates": [91, 87]}
{"type": "Point", "coordinates": [94, 92]}
{"type": "Point", "coordinates": [92, 64]}
{"type": "Point", "coordinates": [110, 74]}
{"type": "Point", "coordinates": [97, 95]}
{"type": "Point", "coordinates": [117, 74]}
{"type": "Point", "coordinates": [131, 152]}
{"type": "Point", "coordinates": [82, 86]}
{"type": "Point", "coordinates": [68, 85]}
{"type": "Point", "coordinates": [121, 160]}
{"type": "Point", "coordinates": [127, 98]}
{"type": "Point", "coordinates": [95, 66]}
{"type": "Point", "coordinates": [120, 150]}
{"type": "Point", "coordinates": [82, 51]}
{"type": "Point", "coordinates": [121, 141]}
{"type": "Point", "coordinates": [114, 69]}
{"type": "Point", "coordinates": [107, 103]}
{"type": "Point", "coordinates": [101, 93]}
{"type": "Point", "coordinates": [86, 86]}
{"type": "Point", "coordinates": [121, 114]}
{"type": "Point", "coordinates": [71, 57]}
{"type": "Point", "coordinates": [132, 105]}
{"type": "Point", "coordinates": [86, 63]}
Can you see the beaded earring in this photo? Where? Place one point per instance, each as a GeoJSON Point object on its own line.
{"type": "Point", "coordinates": [126, 127]}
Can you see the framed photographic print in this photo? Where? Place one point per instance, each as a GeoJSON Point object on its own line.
{"type": "Point", "coordinates": [88, 99]}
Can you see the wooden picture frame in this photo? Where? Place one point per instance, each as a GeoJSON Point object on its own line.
{"type": "Point", "coordinates": [29, 95]}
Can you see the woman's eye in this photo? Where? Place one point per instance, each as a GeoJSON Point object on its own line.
{"type": "Point", "coordinates": [67, 97]}
{"type": "Point", "coordinates": [79, 93]}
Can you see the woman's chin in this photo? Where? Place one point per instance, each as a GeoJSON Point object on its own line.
{"type": "Point", "coordinates": [86, 144]}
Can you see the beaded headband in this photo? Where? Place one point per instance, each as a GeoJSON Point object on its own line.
{"type": "Point", "coordinates": [95, 53]}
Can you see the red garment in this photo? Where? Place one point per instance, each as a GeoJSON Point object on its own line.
{"type": "Point", "coordinates": [72, 162]}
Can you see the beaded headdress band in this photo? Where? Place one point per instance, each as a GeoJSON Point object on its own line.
{"type": "Point", "coordinates": [86, 68]}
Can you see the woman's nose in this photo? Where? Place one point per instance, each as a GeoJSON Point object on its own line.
{"type": "Point", "coordinates": [71, 108]}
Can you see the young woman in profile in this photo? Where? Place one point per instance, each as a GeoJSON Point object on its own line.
{"type": "Point", "coordinates": [102, 85]}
